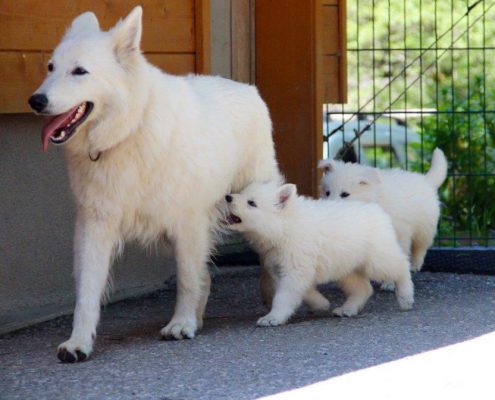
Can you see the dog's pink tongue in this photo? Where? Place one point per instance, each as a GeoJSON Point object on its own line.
{"type": "Point", "coordinates": [53, 124]}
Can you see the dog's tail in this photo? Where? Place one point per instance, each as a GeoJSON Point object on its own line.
{"type": "Point", "coordinates": [438, 170]}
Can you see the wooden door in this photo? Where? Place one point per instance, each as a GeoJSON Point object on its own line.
{"type": "Point", "coordinates": [300, 63]}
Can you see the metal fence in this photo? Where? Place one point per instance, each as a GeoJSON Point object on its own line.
{"type": "Point", "coordinates": [420, 76]}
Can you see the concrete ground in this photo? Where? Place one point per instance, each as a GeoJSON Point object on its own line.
{"type": "Point", "coordinates": [444, 347]}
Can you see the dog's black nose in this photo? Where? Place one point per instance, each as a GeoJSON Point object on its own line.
{"type": "Point", "coordinates": [38, 102]}
{"type": "Point", "coordinates": [228, 198]}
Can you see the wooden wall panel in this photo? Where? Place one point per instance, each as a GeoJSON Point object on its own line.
{"type": "Point", "coordinates": [300, 64]}
{"type": "Point", "coordinates": [175, 38]}
{"type": "Point", "coordinates": [232, 40]}
{"type": "Point", "coordinates": [177, 64]}
{"type": "Point", "coordinates": [221, 38]}
{"type": "Point", "coordinates": [202, 36]}
{"type": "Point", "coordinates": [241, 45]}
{"type": "Point", "coordinates": [330, 20]}
{"type": "Point", "coordinates": [333, 44]}
{"type": "Point", "coordinates": [20, 74]}
{"type": "Point", "coordinates": [332, 88]}
{"type": "Point", "coordinates": [287, 75]}
{"type": "Point", "coordinates": [34, 25]}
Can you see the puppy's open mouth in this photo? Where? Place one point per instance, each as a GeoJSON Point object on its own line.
{"type": "Point", "coordinates": [233, 219]}
{"type": "Point", "coordinates": [60, 128]}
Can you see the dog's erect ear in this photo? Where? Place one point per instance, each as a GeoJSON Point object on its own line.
{"type": "Point", "coordinates": [286, 193]}
{"type": "Point", "coordinates": [370, 177]}
{"type": "Point", "coordinates": [127, 34]}
{"type": "Point", "coordinates": [326, 165]}
{"type": "Point", "coordinates": [86, 22]}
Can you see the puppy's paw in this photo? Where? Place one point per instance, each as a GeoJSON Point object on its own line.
{"type": "Point", "coordinates": [322, 305]}
{"type": "Point", "coordinates": [271, 320]}
{"type": "Point", "coordinates": [344, 312]}
{"type": "Point", "coordinates": [405, 303]}
{"type": "Point", "coordinates": [180, 328]}
{"type": "Point", "coordinates": [387, 286]}
{"type": "Point", "coordinates": [73, 351]}
{"type": "Point", "coordinates": [416, 266]}
{"type": "Point", "coordinates": [316, 301]}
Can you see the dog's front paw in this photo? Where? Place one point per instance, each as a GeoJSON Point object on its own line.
{"type": "Point", "coordinates": [344, 312]}
{"type": "Point", "coordinates": [405, 303]}
{"type": "Point", "coordinates": [73, 351]}
{"type": "Point", "coordinates": [416, 267]}
{"type": "Point", "coordinates": [271, 320]}
{"type": "Point", "coordinates": [180, 328]}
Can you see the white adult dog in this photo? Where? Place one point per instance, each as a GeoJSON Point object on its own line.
{"type": "Point", "coordinates": [409, 198]}
{"type": "Point", "coordinates": [149, 154]}
{"type": "Point", "coordinates": [307, 242]}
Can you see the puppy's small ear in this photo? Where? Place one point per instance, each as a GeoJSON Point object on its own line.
{"type": "Point", "coordinates": [326, 165]}
{"type": "Point", "coordinates": [286, 193]}
{"type": "Point", "coordinates": [127, 35]}
{"type": "Point", "coordinates": [370, 177]}
{"type": "Point", "coordinates": [86, 22]}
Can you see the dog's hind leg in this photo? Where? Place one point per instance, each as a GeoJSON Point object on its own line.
{"type": "Point", "coordinates": [358, 290]}
{"type": "Point", "coordinates": [192, 250]}
{"type": "Point", "coordinates": [404, 235]}
{"type": "Point", "coordinates": [421, 244]}
{"type": "Point", "coordinates": [404, 289]}
{"type": "Point", "coordinates": [315, 300]}
{"type": "Point", "coordinates": [93, 245]}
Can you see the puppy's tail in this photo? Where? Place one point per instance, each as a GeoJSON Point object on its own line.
{"type": "Point", "coordinates": [438, 170]}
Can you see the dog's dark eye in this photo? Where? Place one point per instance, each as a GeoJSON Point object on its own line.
{"type": "Point", "coordinates": [50, 67]}
{"type": "Point", "coordinates": [327, 193]}
{"type": "Point", "coordinates": [344, 194]}
{"type": "Point", "coordinates": [252, 203]}
{"type": "Point", "coordinates": [79, 71]}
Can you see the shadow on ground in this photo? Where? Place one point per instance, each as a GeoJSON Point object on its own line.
{"type": "Point", "coordinates": [231, 358]}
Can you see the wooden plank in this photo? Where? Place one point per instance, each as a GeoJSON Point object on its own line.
{"type": "Point", "coordinates": [331, 83]}
{"type": "Point", "coordinates": [168, 25]}
{"type": "Point", "coordinates": [330, 39]}
{"type": "Point", "coordinates": [330, 2]}
{"type": "Point", "coordinates": [176, 64]}
{"type": "Point", "coordinates": [286, 75]}
{"type": "Point", "coordinates": [221, 45]}
{"type": "Point", "coordinates": [21, 73]}
{"type": "Point", "coordinates": [202, 36]}
{"type": "Point", "coordinates": [343, 51]}
{"type": "Point", "coordinates": [334, 56]}
{"type": "Point", "coordinates": [318, 95]}
{"type": "Point", "coordinates": [241, 51]}
{"type": "Point", "coordinates": [252, 46]}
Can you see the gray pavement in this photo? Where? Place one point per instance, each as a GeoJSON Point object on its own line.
{"type": "Point", "coordinates": [232, 359]}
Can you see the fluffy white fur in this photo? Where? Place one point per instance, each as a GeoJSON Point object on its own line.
{"type": "Point", "coordinates": [307, 242]}
{"type": "Point", "coordinates": [170, 148]}
{"type": "Point", "coordinates": [409, 198]}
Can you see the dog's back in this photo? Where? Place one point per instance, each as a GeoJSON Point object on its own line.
{"type": "Point", "coordinates": [341, 234]}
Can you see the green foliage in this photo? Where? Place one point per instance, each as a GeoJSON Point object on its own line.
{"type": "Point", "coordinates": [451, 76]}
{"type": "Point", "coordinates": [374, 26]}
{"type": "Point", "coordinates": [468, 140]}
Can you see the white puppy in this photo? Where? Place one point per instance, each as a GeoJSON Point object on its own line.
{"type": "Point", "coordinates": [409, 198]}
{"type": "Point", "coordinates": [307, 242]}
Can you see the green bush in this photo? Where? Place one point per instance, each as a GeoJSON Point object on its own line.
{"type": "Point", "coordinates": [457, 80]}
{"type": "Point", "coordinates": [467, 137]}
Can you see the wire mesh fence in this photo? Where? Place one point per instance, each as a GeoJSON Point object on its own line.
{"type": "Point", "coordinates": [420, 76]}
